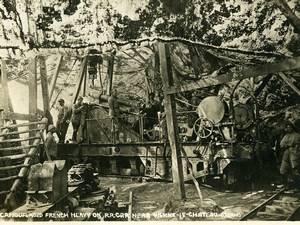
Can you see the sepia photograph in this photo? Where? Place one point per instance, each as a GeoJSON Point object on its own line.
{"type": "Point", "coordinates": [149, 110]}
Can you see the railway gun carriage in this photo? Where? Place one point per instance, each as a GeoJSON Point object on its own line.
{"type": "Point", "coordinates": [220, 144]}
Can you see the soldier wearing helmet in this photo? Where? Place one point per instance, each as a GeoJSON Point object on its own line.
{"type": "Point", "coordinates": [50, 144]}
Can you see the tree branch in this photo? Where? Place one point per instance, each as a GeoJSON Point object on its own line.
{"type": "Point", "coordinates": [289, 14]}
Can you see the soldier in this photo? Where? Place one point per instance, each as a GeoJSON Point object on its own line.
{"type": "Point", "coordinates": [152, 109]}
{"type": "Point", "coordinates": [114, 114]}
{"type": "Point", "coordinates": [76, 117]}
{"type": "Point", "coordinates": [290, 144]}
{"type": "Point", "coordinates": [50, 144]}
{"type": "Point", "coordinates": [62, 121]}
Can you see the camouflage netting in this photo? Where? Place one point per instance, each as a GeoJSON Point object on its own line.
{"type": "Point", "coordinates": [222, 35]}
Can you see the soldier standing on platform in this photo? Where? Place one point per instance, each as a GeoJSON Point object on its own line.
{"type": "Point", "coordinates": [62, 121]}
{"type": "Point", "coordinates": [76, 117]}
{"type": "Point", "coordinates": [114, 114]}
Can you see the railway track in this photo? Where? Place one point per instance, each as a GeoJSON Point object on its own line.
{"type": "Point", "coordinates": [282, 206]}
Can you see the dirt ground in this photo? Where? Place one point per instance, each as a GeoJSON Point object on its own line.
{"type": "Point", "coordinates": [158, 201]}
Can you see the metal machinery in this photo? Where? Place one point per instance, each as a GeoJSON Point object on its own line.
{"type": "Point", "coordinates": [220, 143]}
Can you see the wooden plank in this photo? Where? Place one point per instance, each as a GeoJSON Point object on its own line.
{"type": "Point", "coordinates": [55, 76]}
{"type": "Point", "coordinates": [22, 125]}
{"type": "Point", "coordinates": [44, 82]}
{"type": "Point", "coordinates": [9, 178]}
{"type": "Point", "coordinates": [18, 132]}
{"type": "Point", "coordinates": [284, 65]}
{"type": "Point", "coordinates": [13, 157]}
{"type": "Point", "coordinates": [17, 148]}
{"type": "Point", "coordinates": [79, 80]}
{"type": "Point", "coordinates": [289, 82]}
{"type": "Point", "coordinates": [5, 192]}
{"type": "Point", "coordinates": [13, 167]}
{"type": "Point", "coordinates": [172, 125]}
{"type": "Point", "coordinates": [274, 215]}
{"type": "Point", "coordinates": [20, 116]}
{"type": "Point", "coordinates": [17, 140]}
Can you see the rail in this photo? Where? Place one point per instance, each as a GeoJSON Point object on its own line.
{"type": "Point", "coordinates": [266, 209]}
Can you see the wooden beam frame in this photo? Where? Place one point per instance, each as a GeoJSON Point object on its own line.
{"type": "Point", "coordinates": [172, 125]}
{"type": "Point", "coordinates": [79, 80]}
{"type": "Point", "coordinates": [55, 76]}
{"type": "Point", "coordinates": [32, 86]}
{"type": "Point", "coordinates": [20, 116]}
{"type": "Point", "coordinates": [5, 103]}
{"type": "Point", "coordinates": [289, 82]}
{"type": "Point", "coordinates": [284, 65]}
{"type": "Point", "coordinates": [44, 83]}
{"type": "Point", "coordinates": [4, 94]}
{"type": "Point", "coordinates": [110, 73]}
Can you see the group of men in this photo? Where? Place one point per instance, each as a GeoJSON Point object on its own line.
{"type": "Point", "coordinates": [65, 115]}
{"type": "Point", "coordinates": [290, 143]}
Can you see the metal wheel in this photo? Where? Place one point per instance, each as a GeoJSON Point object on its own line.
{"type": "Point", "coordinates": [203, 127]}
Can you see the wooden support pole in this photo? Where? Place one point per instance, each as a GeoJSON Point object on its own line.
{"type": "Point", "coordinates": [262, 85]}
{"type": "Point", "coordinates": [284, 65]}
{"type": "Point", "coordinates": [32, 86]}
{"type": "Point", "coordinates": [110, 73]}
{"type": "Point", "coordinates": [4, 94]}
{"type": "Point", "coordinates": [44, 82]}
{"type": "Point", "coordinates": [55, 76]}
{"type": "Point", "coordinates": [32, 79]}
{"type": "Point", "coordinates": [79, 80]}
{"type": "Point", "coordinates": [84, 83]}
{"type": "Point", "coordinates": [130, 206]}
{"type": "Point", "coordinates": [289, 82]}
{"type": "Point", "coordinates": [172, 125]}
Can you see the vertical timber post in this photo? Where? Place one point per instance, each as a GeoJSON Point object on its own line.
{"type": "Point", "coordinates": [170, 110]}
{"type": "Point", "coordinates": [44, 82]}
{"type": "Point", "coordinates": [4, 104]}
{"type": "Point", "coordinates": [84, 83]}
{"type": "Point", "coordinates": [32, 89]}
{"type": "Point", "coordinates": [110, 73]}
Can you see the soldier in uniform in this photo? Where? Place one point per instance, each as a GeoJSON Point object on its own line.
{"type": "Point", "coordinates": [62, 121]}
{"type": "Point", "coordinates": [50, 144]}
{"type": "Point", "coordinates": [77, 109]}
{"type": "Point", "coordinates": [114, 114]}
{"type": "Point", "coordinates": [290, 163]}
